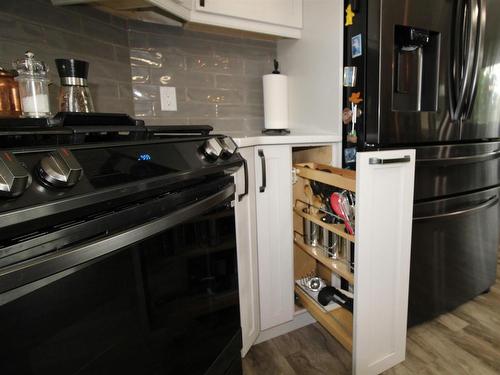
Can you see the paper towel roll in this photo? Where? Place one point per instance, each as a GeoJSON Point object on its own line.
{"type": "Point", "coordinates": [275, 101]}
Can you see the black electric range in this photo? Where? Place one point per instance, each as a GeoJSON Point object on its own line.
{"type": "Point", "coordinates": [117, 248]}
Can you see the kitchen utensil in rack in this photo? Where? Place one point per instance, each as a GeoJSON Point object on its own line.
{"type": "Point", "coordinates": [312, 282]}
{"type": "Point", "coordinates": [331, 294]}
{"type": "Point", "coordinates": [309, 207]}
{"type": "Point", "coordinates": [311, 230]}
{"type": "Point", "coordinates": [342, 208]}
{"type": "Point", "coordinates": [339, 251]}
{"type": "Point", "coordinates": [329, 243]}
{"type": "Point", "coordinates": [332, 245]}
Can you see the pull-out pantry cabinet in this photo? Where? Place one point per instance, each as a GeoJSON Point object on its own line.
{"type": "Point", "coordinates": [371, 265]}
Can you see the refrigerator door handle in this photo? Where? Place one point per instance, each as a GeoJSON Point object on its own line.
{"type": "Point", "coordinates": [491, 201]}
{"type": "Point", "coordinates": [455, 67]}
{"type": "Point", "coordinates": [478, 55]}
{"type": "Point", "coordinates": [463, 59]}
{"type": "Point", "coordinates": [461, 159]}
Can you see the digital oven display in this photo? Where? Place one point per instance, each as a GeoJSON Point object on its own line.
{"type": "Point", "coordinates": [144, 157]}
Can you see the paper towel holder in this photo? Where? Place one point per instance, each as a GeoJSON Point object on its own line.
{"type": "Point", "coordinates": [275, 90]}
{"type": "Point", "coordinates": [276, 131]}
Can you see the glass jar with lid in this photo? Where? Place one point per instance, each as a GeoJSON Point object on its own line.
{"type": "Point", "coordinates": [33, 86]}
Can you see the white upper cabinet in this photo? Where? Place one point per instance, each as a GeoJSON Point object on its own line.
{"type": "Point", "coordinates": [282, 18]}
{"type": "Point", "coordinates": [274, 17]}
{"type": "Point", "coordinates": [277, 12]}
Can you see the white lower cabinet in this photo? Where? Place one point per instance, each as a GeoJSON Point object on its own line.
{"type": "Point", "coordinates": [273, 176]}
{"type": "Point", "coordinates": [246, 239]}
{"type": "Point", "coordinates": [264, 254]}
{"type": "Point", "coordinates": [371, 265]}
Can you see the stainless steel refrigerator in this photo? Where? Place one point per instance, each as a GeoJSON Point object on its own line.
{"type": "Point", "coordinates": [428, 74]}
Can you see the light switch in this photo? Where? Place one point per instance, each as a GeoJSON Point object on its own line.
{"type": "Point", "coordinates": [168, 98]}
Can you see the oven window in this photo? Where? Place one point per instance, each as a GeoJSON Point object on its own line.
{"type": "Point", "coordinates": [167, 305]}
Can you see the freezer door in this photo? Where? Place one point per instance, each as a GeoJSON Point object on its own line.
{"type": "Point", "coordinates": [412, 62]}
{"type": "Point", "coordinates": [455, 169]}
{"type": "Point", "coordinates": [454, 252]}
{"type": "Point", "coordinates": [484, 117]}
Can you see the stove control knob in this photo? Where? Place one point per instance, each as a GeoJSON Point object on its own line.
{"type": "Point", "coordinates": [229, 147]}
{"type": "Point", "coordinates": [211, 149]}
{"type": "Point", "coordinates": [60, 168]}
{"type": "Point", "coordinates": [14, 178]}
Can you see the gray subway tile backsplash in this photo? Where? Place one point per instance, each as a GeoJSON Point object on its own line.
{"type": "Point", "coordinates": [146, 58]}
{"type": "Point", "coordinates": [221, 75]}
{"type": "Point", "coordinates": [217, 77]}
{"type": "Point", "coordinates": [238, 82]}
{"type": "Point", "coordinates": [215, 64]}
{"type": "Point", "coordinates": [185, 79]}
{"type": "Point", "coordinates": [125, 91]}
{"type": "Point", "coordinates": [254, 97]}
{"type": "Point", "coordinates": [80, 32]}
{"type": "Point", "coordinates": [104, 32]}
{"type": "Point", "coordinates": [79, 44]}
{"type": "Point", "coordinates": [13, 29]}
{"type": "Point", "coordinates": [215, 96]}
{"type": "Point", "coordinates": [236, 110]}
{"type": "Point", "coordinates": [140, 74]}
{"type": "Point", "coordinates": [44, 13]}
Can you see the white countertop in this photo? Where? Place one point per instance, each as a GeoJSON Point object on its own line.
{"type": "Point", "coordinates": [255, 138]}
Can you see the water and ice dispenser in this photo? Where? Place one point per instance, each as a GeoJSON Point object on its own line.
{"type": "Point", "coordinates": [415, 69]}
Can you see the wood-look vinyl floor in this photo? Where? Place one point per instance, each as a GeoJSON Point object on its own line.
{"type": "Point", "coordinates": [465, 341]}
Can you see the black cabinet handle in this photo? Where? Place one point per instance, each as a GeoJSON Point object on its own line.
{"type": "Point", "coordinates": [202, 3]}
{"type": "Point", "coordinates": [263, 165]}
{"type": "Point", "coordinates": [245, 171]}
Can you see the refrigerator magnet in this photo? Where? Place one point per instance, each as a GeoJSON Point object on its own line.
{"type": "Point", "coordinates": [355, 98]}
{"type": "Point", "coordinates": [350, 76]}
{"type": "Point", "coordinates": [346, 116]}
{"type": "Point", "coordinates": [350, 155]}
{"type": "Point", "coordinates": [356, 46]}
{"type": "Point", "coordinates": [349, 15]}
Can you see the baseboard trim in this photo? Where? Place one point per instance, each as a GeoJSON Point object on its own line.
{"type": "Point", "coordinates": [300, 320]}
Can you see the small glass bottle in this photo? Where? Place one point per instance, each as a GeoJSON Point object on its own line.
{"type": "Point", "coordinates": [33, 86]}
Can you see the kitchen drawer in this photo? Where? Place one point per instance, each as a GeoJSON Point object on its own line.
{"type": "Point", "coordinates": [370, 265]}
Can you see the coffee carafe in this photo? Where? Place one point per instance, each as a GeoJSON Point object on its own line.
{"type": "Point", "coordinates": [74, 95]}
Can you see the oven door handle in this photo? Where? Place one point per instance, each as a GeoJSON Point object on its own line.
{"type": "Point", "coordinates": [20, 274]}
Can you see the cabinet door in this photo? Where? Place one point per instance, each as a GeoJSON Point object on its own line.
{"type": "Point", "coordinates": [384, 206]}
{"type": "Point", "coordinates": [278, 12]}
{"type": "Point", "coordinates": [246, 238]}
{"type": "Point", "coordinates": [273, 171]}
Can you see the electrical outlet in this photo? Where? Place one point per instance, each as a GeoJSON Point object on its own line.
{"type": "Point", "coordinates": [168, 98]}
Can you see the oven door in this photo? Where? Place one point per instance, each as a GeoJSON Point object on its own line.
{"type": "Point", "coordinates": [160, 297]}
